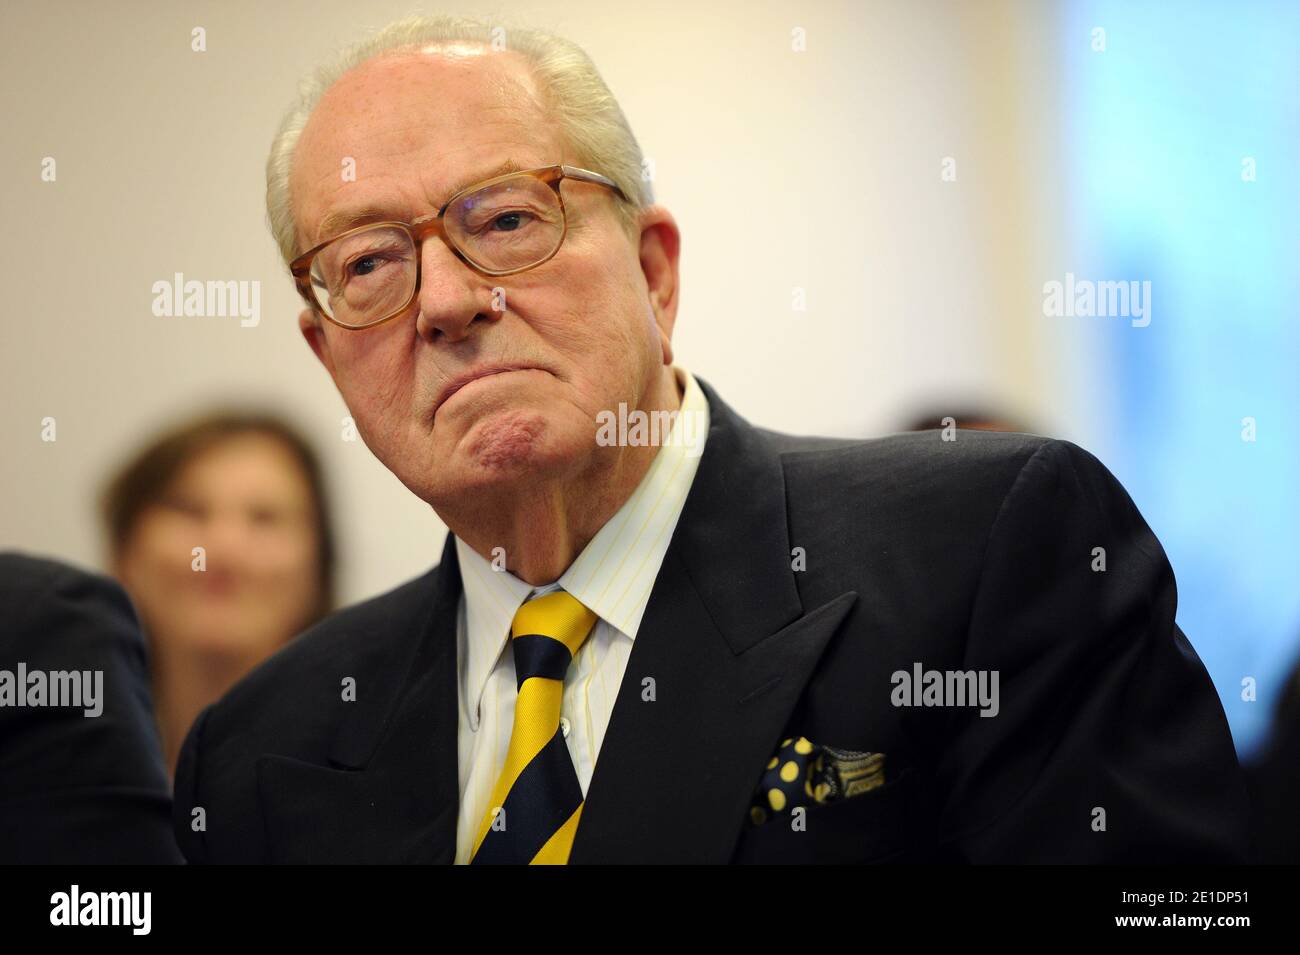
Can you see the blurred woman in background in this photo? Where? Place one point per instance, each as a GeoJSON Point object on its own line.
{"type": "Point", "coordinates": [248, 490]}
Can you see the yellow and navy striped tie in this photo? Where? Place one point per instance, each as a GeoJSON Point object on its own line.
{"type": "Point", "coordinates": [538, 793]}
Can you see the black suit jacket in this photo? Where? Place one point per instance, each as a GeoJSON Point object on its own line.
{"type": "Point", "coordinates": [76, 789]}
{"type": "Point", "coordinates": [972, 554]}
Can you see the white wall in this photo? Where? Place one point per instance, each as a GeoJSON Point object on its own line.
{"type": "Point", "coordinates": [818, 169]}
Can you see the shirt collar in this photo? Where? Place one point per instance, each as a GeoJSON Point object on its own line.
{"type": "Point", "coordinates": [614, 573]}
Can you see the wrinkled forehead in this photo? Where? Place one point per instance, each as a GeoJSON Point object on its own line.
{"type": "Point", "coordinates": [406, 128]}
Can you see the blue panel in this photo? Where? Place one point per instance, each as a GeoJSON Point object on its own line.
{"type": "Point", "coordinates": [1156, 129]}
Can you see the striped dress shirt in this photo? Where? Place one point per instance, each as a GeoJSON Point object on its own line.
{"type": "Point", "coordinates": [612, 576]}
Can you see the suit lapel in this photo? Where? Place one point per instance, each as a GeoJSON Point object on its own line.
{"type": "Point", "coordinates": [721, 658]}
{"type": "Point", "coordinates": [676, 770]}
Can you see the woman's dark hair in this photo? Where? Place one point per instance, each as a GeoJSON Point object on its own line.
{"type": "Point", "coordinates": [142, 481]}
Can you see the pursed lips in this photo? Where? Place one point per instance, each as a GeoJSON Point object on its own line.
{"type": "Point", "coordinates": [460, 381]}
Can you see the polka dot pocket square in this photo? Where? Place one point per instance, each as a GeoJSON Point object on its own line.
{"type": "Point", "coordinates": [803, 773]}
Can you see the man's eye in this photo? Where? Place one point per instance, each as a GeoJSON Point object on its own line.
{"type": "Point", "coordinates": [366, 261]}
{"type": "Point", "coordinates": [508, 221]}
{"type": "Point", "coordinates": [365, 265]}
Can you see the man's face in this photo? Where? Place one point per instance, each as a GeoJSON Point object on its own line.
{"type": "Point", "coordinates": [419, 126]}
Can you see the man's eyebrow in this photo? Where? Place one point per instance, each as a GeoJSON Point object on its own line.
{"type": "Point", "coordinates": [341, 220]}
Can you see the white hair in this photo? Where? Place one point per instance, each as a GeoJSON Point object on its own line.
{"type": "Point", "coordinates": [584, 111]}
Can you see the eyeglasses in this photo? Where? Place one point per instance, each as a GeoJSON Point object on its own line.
{"type": "Point", "coordinates": [502, 226]}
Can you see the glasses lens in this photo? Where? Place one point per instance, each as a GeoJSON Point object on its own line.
{"type": "Point", "coordinates": [364, 277]}
{"type": "Point", "coordinates": [512, 224]}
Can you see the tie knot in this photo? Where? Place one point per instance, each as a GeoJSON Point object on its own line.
{"type": "Point", "coordinates": [547, 633]}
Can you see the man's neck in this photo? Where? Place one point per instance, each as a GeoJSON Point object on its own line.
{"type": "Point", "coordinates": [546, 526]}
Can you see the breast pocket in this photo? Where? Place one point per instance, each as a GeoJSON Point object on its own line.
{"type": "Point", "coordinates": [876, 826]}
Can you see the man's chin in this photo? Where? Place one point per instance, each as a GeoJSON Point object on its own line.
{"type": "Point", "coordinates": [505, 452]}
{"type": "Point", "coordinates": [505, 442]}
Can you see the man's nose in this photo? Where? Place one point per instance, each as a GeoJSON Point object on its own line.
{"type": "Point", "coordinates": [451, 294]}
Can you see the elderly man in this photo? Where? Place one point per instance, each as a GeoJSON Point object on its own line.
{"type": "Point", "coordinates": [726, 644]}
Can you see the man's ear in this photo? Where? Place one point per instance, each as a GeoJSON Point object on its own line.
{"type": "Point", "coordinates": [314, 331]}
{"type": "Point", "coordinates": [661, 243]}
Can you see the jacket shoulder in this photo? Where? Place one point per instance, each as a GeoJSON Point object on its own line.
{"type": "Point", "coordinates": [289, 705]}
{"type": "Point", "coordinates": [967, 464]}
{"type": "Point", "coordinates": [350, 641]}
{"type": "Point", "coordinates": [284, 705]}
{"type": "Point", "coordinates": [903, 510]}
